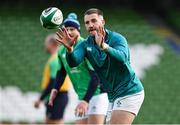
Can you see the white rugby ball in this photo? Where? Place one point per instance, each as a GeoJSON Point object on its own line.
{"type": "Point", "coordinates": [51, 18]}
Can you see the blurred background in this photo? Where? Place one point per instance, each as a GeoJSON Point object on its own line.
{"type": "Point", "coordinates": [152, 28]}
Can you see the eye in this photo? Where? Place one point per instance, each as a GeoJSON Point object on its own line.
{"type": "Point", "coordinates": [87, 22]}
{"type": "Point", "coordinates": [94, 20]}
{"type": "Point", "coordinates": [71, 29]}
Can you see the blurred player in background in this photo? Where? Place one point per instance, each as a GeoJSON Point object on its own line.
{"type": "Point", "coordinates": [84, 80]}
{"type": "Point", "coordinates": [54, 114]}
{"type": "Point", "coordinates": [108, 52]}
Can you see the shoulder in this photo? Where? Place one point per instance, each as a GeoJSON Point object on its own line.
{"type": "Point", "coordinates": [54, 61]}
{"type": "Point", "coordinates": [82, 41]}
{"type": "Point", "coordinates": [60, 48]}
{"type": "Point", "coordinates": [90, 40]}
{"type": "Point", "coordinates": [117, 38]}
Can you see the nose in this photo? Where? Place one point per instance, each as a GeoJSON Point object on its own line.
{"type": "Point", "coordinates": [90, 24]}
{"type": "Point", "coordinates": [68, 31]}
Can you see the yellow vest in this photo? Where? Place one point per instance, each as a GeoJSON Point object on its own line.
{"type": "Point", "coordinates": [46, 76]}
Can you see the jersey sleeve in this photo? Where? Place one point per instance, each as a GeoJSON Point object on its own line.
{"type": "Point", "coordinates": [77, 56]}
{"type": "Point", "coordinates": [119, 49]}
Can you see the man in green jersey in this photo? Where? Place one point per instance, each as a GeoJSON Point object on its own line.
{"type": "Point", "coordinates": [84, 80]}
{"type": "Point", "coordinates": [108, 53]}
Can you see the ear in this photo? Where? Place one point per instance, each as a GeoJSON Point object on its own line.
{"type": "Point", "coordinates": [102, 19]}
{"type": "Point", "coordinates": [103, 22]}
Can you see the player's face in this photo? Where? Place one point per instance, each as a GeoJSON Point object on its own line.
{"type": "Point", "coordinates": [93, 22]}
{"type": "Point", "coordinates": [50, 46]}
{"type": "Point", "coordinates": [73, 32]}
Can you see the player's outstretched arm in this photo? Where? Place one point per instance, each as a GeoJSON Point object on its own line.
{"type": "Point", "coordinates": [77, 56]}
{"type": "Point", "coordinates": [65, 39]}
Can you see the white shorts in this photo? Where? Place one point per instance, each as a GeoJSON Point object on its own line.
{"type": "Point", "coordinates": [98, 105]}
{"type": "Point", "coordinates": [131, 103]}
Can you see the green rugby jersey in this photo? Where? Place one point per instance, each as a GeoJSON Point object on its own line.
{"type": "Point", "coordinates": [79, 75]}
{"type": "Point", "coordinates": [112, 66]}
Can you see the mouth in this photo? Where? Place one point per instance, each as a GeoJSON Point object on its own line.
{"type": "Point", "coordinates": [92, 30]}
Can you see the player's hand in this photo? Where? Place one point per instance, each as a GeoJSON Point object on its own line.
{"type": "Point", "coordinates": [81, 108]}
{"type": "Point", "coordinates": [37, 103]}
{"type": "Point", "coordinates": [52, 96]}
{"type": "Point", "coordinates": [65, 39]}
{"type": "Point", "coordinates": [100, 36]}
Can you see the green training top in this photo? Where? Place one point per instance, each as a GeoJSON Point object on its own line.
{"type": "Point", "coordinates": [112, 66]}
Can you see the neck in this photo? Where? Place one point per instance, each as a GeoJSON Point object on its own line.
{"type": "Point", "coordinates": [78, 37]}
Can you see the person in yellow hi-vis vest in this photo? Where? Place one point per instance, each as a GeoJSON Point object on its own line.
{"type": "Point", "coordinates": [54, 114]}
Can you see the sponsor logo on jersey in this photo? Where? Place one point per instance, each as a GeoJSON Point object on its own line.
{"type": "Point", "coordinates": [89, 48]}
{"type": "Point", "coordinates": [94, 108]}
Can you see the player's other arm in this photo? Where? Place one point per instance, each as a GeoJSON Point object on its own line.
{"type": "Point", "coordinates": [118, 49]}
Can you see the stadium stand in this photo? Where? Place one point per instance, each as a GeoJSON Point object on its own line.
{"type": "Point", "coordinates": [175, 15]}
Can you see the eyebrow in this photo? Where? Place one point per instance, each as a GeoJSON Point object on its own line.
{"type": "Point", "coordinates": [93, 19]}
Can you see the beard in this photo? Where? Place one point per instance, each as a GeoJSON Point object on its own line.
{"type": "Point", "coordinates": [92, 31]}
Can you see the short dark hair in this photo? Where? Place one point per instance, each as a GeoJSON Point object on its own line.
{"type": "Point", "coordinates": [92, 11]}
